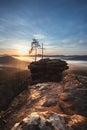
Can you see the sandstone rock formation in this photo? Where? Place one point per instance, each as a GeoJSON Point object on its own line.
{"type": "Point", "coordinates": [42, 109]}
{"type": "Point", "coordinates": [47, 70]}
{"type": "Point", "coordinates": [41, 121]}
{"type": "Point", "coordinates": [51, 121]}
{"type": "Point", "coordinates": [73, 99]}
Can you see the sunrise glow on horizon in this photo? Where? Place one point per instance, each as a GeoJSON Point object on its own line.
{"type": "Point", "coordinates": [61, 25]}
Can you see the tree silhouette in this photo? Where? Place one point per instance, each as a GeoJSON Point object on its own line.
{"type": "Point", "coordinates": [34, 46]}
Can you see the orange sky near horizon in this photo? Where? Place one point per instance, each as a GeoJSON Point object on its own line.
{"type": "Point", "coordinates": [24, 52]}
{"type": "Point", "coordinates": [10, 52]}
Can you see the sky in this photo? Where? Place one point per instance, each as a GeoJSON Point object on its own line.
{"type": "Point", "coordinates": [61, 25]}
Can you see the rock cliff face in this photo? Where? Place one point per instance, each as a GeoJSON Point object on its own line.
{"type": "Point", "coordinates": [47, 70]}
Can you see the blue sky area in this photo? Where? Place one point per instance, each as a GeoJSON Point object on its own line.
{"type": "Point", "coordinates": [60, 24]}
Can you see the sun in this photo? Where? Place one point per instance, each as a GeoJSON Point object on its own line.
{"type": "Point", "coordinates": [23, 50]}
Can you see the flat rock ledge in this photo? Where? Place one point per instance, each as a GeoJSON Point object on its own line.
{"type": "Point", "coordinates": [47, 70]}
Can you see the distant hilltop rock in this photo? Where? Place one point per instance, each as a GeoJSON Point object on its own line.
{"type": "Point", "coordinates": [9, 60]}
{"type": "Point", "coordinates": [47, 70]}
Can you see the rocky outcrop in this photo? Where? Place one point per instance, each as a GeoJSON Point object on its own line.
{"type": "Point", "coordinates": [47, 70]}
{"type": "Point", "coordinates": [51, 121]}
{"type": "Point", "coordinates": [51, 106]}
{"type": "Point", "coordinates": [73, 99]}
{"type": "Point", "coordinates": [41, 121]}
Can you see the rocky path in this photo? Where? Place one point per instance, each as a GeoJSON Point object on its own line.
{"type": "Point", "coordinates": [45, 95]}
{"type": "Point", "coordinates": [41, 97]}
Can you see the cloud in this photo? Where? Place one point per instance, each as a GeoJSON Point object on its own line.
{"type": "Point", "coordinates": [66, 43]}
{"type": "Point", "coordinates": [39, 36]}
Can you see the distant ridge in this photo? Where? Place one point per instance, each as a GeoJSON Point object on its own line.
{"type": "Point", "coordinates": [67, 57]}
{"type": "Point", "coordinates": [81, 57]}
{"type": "Point", "coordinates": [70, 57]}
{"type": "Point", "coordinates": [6, 59]}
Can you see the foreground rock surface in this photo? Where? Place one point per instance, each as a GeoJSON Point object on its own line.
{"type": "Point", "coordinates": [64, 100]}
{"type": "Point", "coordinates": [51, 121]}
{"type": "Point", "coordinates": [47, 70]}
{"type": "Point", "coordinates": [41, 121]}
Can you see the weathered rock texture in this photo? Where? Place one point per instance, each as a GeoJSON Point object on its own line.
{"type": "Point", "coordinates": [41, 121]}
{"type": "Point", "coordinates": [51, 121]}
{"type": "Point", "coordinates": [47, 70]}
{"type": "Point", "coordinates": [73, 99]}
{"type": "Point", "coordinates": [43, 104]}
